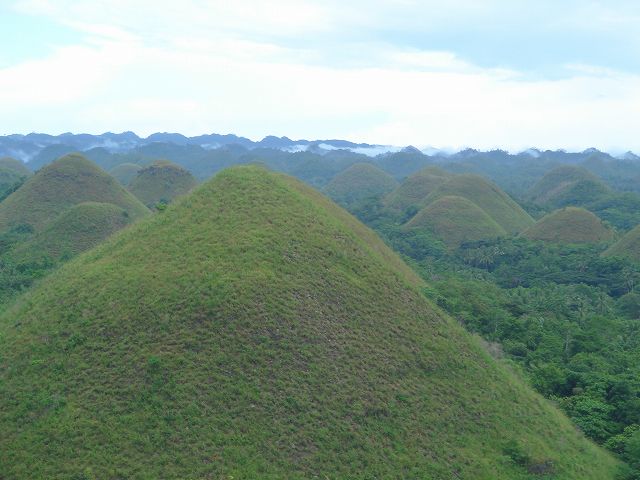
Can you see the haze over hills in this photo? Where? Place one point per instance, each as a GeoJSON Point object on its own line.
{"type": "Point", "coordinates": [256, 330]}
{"type": "Point", "coordinates": [161, 182]}
{"type": "Point", "coordinates": [125, 172]}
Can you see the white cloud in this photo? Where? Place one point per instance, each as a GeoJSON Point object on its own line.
{"type": "Point", "coordinates": [201, 67]}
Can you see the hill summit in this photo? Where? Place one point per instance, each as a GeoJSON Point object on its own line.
{"type": "Point", "coordinates": [358, 182]}
{"type": "Point", "coordinates": [161, 181]}
{"type": "Point", "coordinates": [254, 329]}
{"type": "Point", "coordinates": [64, 183]}
{"type": "Point", "coordinates": [569, 225]}
{"type": "Point", "coordinates": [567, 185]}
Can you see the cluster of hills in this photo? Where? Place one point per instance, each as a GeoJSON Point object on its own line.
{"type": "Point", "coordinates": [251, 328]}
{"type": "Point", "coordinates": [254, 329]}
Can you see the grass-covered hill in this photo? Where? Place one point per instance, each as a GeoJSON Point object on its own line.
{"type": "Point", "coordinates": [490, 198]}
{"type": "Point", "coordinates": [416, 187]}
{"type": "Point", "coordinates": [64, 183]}
{"type": "Point", "coordinates": [627, 246]}
{"type": "Point", "coordinates": [75, 230]}
{"type": "Point", "coordinates": [125, 172]}
{"type": "Point", "coordinates": [569, 225]}
{"type": "Point", "coordinates": [568, 185]}
{"type": "Point", "coordinates": [456, 220]}
{"type": "Point", "coordinates": [161, 181]}
{"type": "Point", "coordinates": [12, 173]}
{"type": "Point", "coordinates": [358, 182]}
{"type": "Point", "coordinates": [254, 329]}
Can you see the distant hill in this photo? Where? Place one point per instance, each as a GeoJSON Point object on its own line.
{"type": "Point", "coordinates": [62, 184]}
{"type": "Point", "coordinates": [358, 182]}
{"type": "Point", "coordinates": [161, 182]}
{"type": "Point", "coordinates": [125, 172]}
{"type": "Point", "coordinates": [77, 229]}
{"type": "Point", "coordinates": [627, 246]}
{"type": "Point", "coordinates": [569, 225]}
{"type": "Point", "coordinates": [480, 191]}
{"type": "Point", "coordinates": [456, 220]}
{"type": "Point", "coordinates": [12, 173]}
{"type": "Point", "coordinates": [256, 330]}
{"type": "Point", "coordinates": [567, 185]}
{"type": "Point", "coordinates": [416, 187]}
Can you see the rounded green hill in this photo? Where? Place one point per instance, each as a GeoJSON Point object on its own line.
{"type": "Point", "coordinates": [456, 220]}
{"type": "Point", "coordinates": [358, 182]}
{"type": "Point", "coordinates": [77, 229]}
{"type": "Point", "coordinates": [627, 246]}
{"type": "Point", "coordinates": [569, 225]}
{"type": "Point", "coordinates": [257, 330]}
{"type": "Point", "coordinates": [567, 185]}
{"type": "Point", "coordinates": [125, 172]}
{"type": "Point", "coordinates": [161, 182]}
{"type": "Point", "coordinates": [416, 187]}
{"type": "Point", "coordinates": [480, 191]}
{"type": "Point", "coordinates": [60, 185]}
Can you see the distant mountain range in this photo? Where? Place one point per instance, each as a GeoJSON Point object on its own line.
{"type": "Point", "coordinates": [26, 147]}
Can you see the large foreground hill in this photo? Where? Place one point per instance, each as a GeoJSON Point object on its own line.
{"type": "Point", "coordinates": [256, 330]}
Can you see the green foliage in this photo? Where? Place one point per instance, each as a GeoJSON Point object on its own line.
{"type": "Point", "coordinates": [415, 188]}
{"type": "Point", "coordinates": [125, 172]}
{"type": "Point", "coordinates": [568, 185]}
{"type": "Point", "coordinates": [256, 330]}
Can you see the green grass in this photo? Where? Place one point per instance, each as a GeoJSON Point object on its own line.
{"type": "Point", "coordinates": [161, 182]}
{"type": "Point", "coordinates": [567, 185]}
{"type": "Point", "coordinates": [358, 182]}
{"type": "Point", "coordinates": [456, 220]}
{"type": "Point", "coordinates": [254, 329]}
{"type": "Point", "coordinates": [125, 172]}
{"type": "Point", "coordinates": [627, 246]}
{"type": "Point", "coordinates": [416, 187]}
{"type": "Point", "coordinates": [62, 184]}
{"type": "Point", "coordinates": [496, 203]}
{"type": "Point", "coordinates": [77, 229]}
{"type": "Point", "coordinates": [570, 225]}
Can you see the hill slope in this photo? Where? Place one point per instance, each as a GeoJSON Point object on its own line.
{"type": "Point", "coordinates": [567, 185]}
{"type": "Point", "coordinates": [456, 220]}
{"type": "Point", "coordinates": [256, 330]}
{"type": "Point", "coordinates": [12, 173]}
{"type": "Point", "coordinates": [125, 172]}
{"type": "Point", "coordinates": [569, 225]}
{"type": "Point", "coordinates": [66, 182]}
{"type": "Point", "coordinates": [161, 182]}
{"type": "Point", "coordinates": [416, 187]}
{"type": "Point", "coordinates": [480, 191]}
{"type": "Point", "coordinates": [360, 181]}
{"type": "Point", "coordinates": [627, 246]}
{"type": "Point", "coordinates": [77, 229]}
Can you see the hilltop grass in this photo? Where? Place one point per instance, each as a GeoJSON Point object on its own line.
{"type": "Point", "coordinates": [66, 182]}
{"type": "Point", "coordinates": [254, 329]}
{"type": "Point", "coordinates": [496, 203]}
{"type": "Point", "coordinates": [627, 246]}
{"type": "Point", "coordinates": [161, 182]}
{"type": "Point", "coordinates": [416, 187]}
{"type": "Point", "coordinates": [456, 220]}
{"type": "Point", "coordinates": [570, 225]}
{"type": "Point", "coordinates": [358, 182]}
{"type": "Point", "coordinates": [568, 185]}
{"type": "Point", "coordinates": [125, 172]}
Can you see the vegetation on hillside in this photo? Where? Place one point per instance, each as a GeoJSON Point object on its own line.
{"type": "Point", "coordinates": [160, 183]}
{"type": "Point", "coordinates": [13, 173]}
{"type": "Point", "coordinates": [567, 185]}
{"type": "Point", "coordinates": [627, 246]}
{"type": "Point", "coordinates": [416, 187]}
{"type": "Point", "coordinates": [125, 172]}
{"type": "Point", "coordinates": [254, 329]}
{"type": "Point", "coordinates": [358, 182]}
{"type": "Point", "coordinates": [570, 225]}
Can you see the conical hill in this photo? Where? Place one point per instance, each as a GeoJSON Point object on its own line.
{"type": "Point", "coordinates": [254, 329]}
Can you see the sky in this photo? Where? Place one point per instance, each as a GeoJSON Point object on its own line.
{"type": "Point", "coordinates": [508, 74]}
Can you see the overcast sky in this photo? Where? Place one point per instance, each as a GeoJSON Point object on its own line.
{"type": "Point", "coordinates": [480, 73]}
